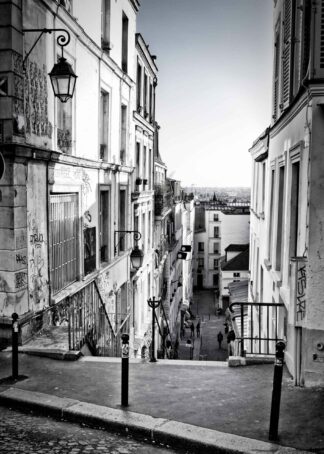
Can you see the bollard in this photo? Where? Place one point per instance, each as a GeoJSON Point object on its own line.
{"type": "Point", "coordinates": [15, 333]}
{"type": "Point", "coordinates": [276, 391]}
{"type": "Point", "coordinates": [124, 371]}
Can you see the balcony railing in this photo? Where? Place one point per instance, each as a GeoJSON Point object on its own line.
{"type": "Point", "coordinates": [162, 199]}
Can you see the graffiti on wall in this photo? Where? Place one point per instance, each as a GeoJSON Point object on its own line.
{"type": "Point", "coordinates": [301, 291]}
{"type": "Point", "coordinates": [35, 103]}
{"type": "Point", "coordinates": [21, 259]}
{"type": "Point", "coordinates": [38, 282]}
{"type": "Point", "coordinates": [20, 279]}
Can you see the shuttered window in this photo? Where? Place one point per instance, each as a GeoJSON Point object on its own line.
{"type": "Point", "coordinates": [306, 37]}
{"type": "Point", "coordinates": [276, 72]}
{"type": "Point", "coordinates": [322, 36]}
{"type": "Point", "coordinates": [287, 52]}
{"type": "Point", "coordinates": [63, 240]}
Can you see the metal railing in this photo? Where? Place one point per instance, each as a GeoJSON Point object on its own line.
{"type": "Point", "coordinates": [89, 323]}
{"type": "Point", "coordinates": [256, 329]}
{"type": "Point", "coordinates": [164, 332]}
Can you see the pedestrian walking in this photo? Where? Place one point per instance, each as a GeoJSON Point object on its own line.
{"type": "Point", "coordinates": [198, 328]}
{"type": "Point", "coordinates": [230, 342]}
{"type": "Point", "coordinates": [192, 328]}
{"type": "Point", "coordinates": [220, 338]}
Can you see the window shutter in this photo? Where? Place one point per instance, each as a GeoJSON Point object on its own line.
{"type": "Point", "coordinates": [322, 37]}
{"type": "Point", "coordinates": [286, 52]}
{"type": "Point", "coordinates": [305, 45]}
{"type": "Point", "coordinates": [317, 22]}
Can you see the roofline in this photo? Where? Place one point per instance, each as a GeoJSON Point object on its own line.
{"type": "Point", "coordinates": [145, 53]}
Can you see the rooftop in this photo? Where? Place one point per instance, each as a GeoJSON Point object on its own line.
{"type": "Point", "coordinates": [236, 247]}
{"type": "Point", "coordinates": [238, 263]}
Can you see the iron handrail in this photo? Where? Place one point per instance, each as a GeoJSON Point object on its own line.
{"type": "Point", "coordinates": [243, 315]}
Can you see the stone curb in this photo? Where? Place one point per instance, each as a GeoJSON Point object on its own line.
{"type": "Point", "coordinates": [53, 353]}
{"type": "Point", "coordinates": [160, 430]}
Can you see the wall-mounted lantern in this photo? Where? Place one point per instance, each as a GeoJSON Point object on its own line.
{"type": "Point", "coordinates": [137, 254]}
{"type": "Point", "coordinates": [62, 76]}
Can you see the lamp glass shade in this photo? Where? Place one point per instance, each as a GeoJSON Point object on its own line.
{"type": "Point", "coordinates": [63, 80]}
{"type": "Point", "coordinates": [136, 257]}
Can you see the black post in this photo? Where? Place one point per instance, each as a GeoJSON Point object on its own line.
{"type": "Point", "coordinates": [15, 333]}
{"type": "Point", "coordinates": [153, 359]}
{"type": "Point", "coordinates": [124, 378]}
{"type": "Point", "coordinates": [153, 303]}
{"type": "Point", "coordinates": [276, 391]}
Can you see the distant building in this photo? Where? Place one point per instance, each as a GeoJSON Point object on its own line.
{"type": "Point", "coordinates": [217, 225]}
{"type": "Point", "coordinates": [234, 268]}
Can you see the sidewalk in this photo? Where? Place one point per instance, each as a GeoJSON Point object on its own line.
{"type": "Point", "coordinates": [207, 405]}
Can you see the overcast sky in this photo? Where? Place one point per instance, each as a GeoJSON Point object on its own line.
{"type": "Point", "coordinates": [214, 84]}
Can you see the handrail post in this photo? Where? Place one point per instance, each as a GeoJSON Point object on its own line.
{"type": "Point", "coordinates": [242, 330]}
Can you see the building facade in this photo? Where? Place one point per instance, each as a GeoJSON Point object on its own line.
{"type": "Point", "coordinates": [69, 196]}
{"type": "Point", "coordinates": [217, 224]}
{"type": "Point", "coordinates": [287, 204]}
{"type": "Point", "coordinates": [142, 196]}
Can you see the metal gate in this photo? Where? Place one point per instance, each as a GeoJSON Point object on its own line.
{"type": "Point", "coordinates": [63, 240]}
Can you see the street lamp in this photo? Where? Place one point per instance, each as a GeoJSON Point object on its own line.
{"type": "Point", "coordinates": [63, 79]}
{"type": "Point", "coordinates": [154, 304]}
{"type": "Point", "coordinates": [137, 254]}
{"type": "Point", "coordinates": [62, 75]}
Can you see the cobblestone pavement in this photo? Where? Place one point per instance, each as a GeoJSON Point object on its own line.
{"type": "Point", "coordinates": [30, 434]}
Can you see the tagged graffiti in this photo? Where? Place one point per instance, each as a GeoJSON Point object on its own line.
{"type": "Point", "coordinates": [37, 279]}
{"type": "Point", "coordinates": [88, 216]}
{"type": "Point", "coordinates": [21, 279]}
{"type": "Point", "coordinates": [301, 292]}
{"type": "Point", "coordinates": [22, 259]}
{"type": "Point", "coordinates": [36, 239]}
{"type": "Point", "coordinates": [86, 186]}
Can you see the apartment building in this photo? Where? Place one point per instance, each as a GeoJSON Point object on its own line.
{"type": "Point", "coordinates": [68, 222]}
{"type": "Point", "coordinates": [142, 195]}
{"type": "Point", "coordinates": [287, 204]}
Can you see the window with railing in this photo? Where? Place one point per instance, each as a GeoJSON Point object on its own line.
{"type": "Point", "coordinates": [123, 133]}
{"type": "Point", "coordinates": [103, 233]}
{"type": "Point", "coordinates": [105, 24]}
{"type": "Point", "coordinates": [104, 119]}
{"type": "Point", "coordinates": [64, 126]}
{"type": "Point", "coordinates": [216, 232]}
{"type": "Point", "coordinates": [139, 88]}
{"type": "Point", "coordinates": [63, 240]}
{"type": "Point", "coordinates": [201, 263]}
{"type": "Point", "coordinates": [216, 218]}
{"type": "Point", "coordinates": [216, 263]}
{"type": "Point", "coordinates": [201, 247]}
{"type": "Point", "coordinates": [124, 56]}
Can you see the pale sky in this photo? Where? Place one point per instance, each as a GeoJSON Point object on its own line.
{"type": "Point", "coordinates": [214, 84]}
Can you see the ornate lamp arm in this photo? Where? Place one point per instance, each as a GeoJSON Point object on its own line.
{"type": "Point", "coordinates": [61, 39]}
